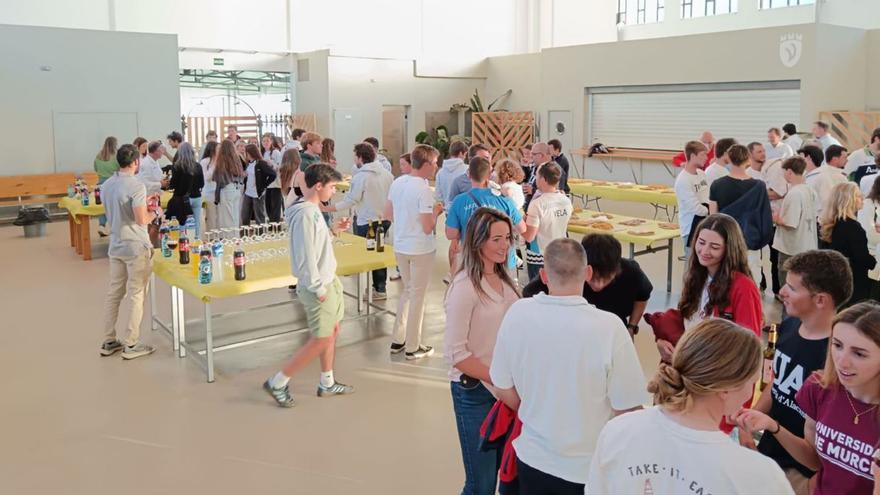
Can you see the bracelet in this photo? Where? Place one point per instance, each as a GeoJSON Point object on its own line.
{"type": "Point", "coordinates": [778, 426]}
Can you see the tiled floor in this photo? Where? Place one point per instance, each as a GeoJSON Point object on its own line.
{"type": "Point", "coordinates": [75, 423]}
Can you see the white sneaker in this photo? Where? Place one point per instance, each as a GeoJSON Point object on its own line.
{"type": "Point", "coordinates": [138, 350]}
{"type": "Point", "coordinates": [377, 296]}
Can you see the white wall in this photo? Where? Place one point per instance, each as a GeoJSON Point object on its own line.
{"type": "Point", "coordinates": [313, 96]}
{"type": "Point", "coordinates": [90, 71]}
{"type": "Point", "coordinates": [579, 22]}
{"type": "Point", "coordinates": [863, 14]}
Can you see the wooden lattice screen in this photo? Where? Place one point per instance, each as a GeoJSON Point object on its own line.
{"type": "Point", "coordinates": [505, 133]}
{"type": "Point", "coordinates": [197, 127]}
{"type": "Point", "coordinates": [852, 129]}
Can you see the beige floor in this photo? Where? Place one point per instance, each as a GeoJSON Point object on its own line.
{"type": "Point", "coordinates": [72, 422]}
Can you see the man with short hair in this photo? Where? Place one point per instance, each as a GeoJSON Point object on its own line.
{"type": "Point", "coordinates": [616, 284]}
{"type": "Point", "coordinates": [211, 136]}
{"type": "Point", "coordinates": [796, 218]}
{"type": "Point", "coordinates": [816, 284]}
{"type": "Point", "coordinates": [566, 380]}
{"type": "Point", "coordinates": [836, 156]}
{"type": "Point", "coordinates": [558, 157]}
{"type": "Point", "coordinates": [367, 195]}
{"type": "Point", "coordinates": [479, 196]}
{"type": "Point", "coordinates": [130, 253]}
{"type": "Point", "coordinates": [232, 133]}
{"type": "Point", "coordinates": [293, 143]}
{"type": "Point", "coordinates": [542, 153]}
{"type": "Point", "coordinates": [863, 161]}
{"type": "Point", "coordinates": [708, 141]}
{"type": "Point", "coordinates": [720, 167]}
{"type": "Point", "coordinates": [382, 159]}
{"type": "Point", "coordinates": [774, 148]}
{"type": "Point", "coordinates": [313, 145]}
{"type": "Point", "coordinates": [821, 178]}
{"type": "Point", "coordinates": [547, 217]}
{"type": "Point", "coordinates": [313, 263]}
{"type": "Point", "coordinates": [792, 139]}
{"type": "Point", "coordinates": [821, 134]}
{"type": "Point", "coordinates": [462, 183]}
{"type": "Point", "coordinates": [746, 200]}
{"type": "Point", "coordinates": [150, 172]}
{"type": "Point", "coordinates": [452, 168]}
{"type": "Point", "coordinates": [692, 192]}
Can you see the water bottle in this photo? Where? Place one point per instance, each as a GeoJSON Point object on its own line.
{"type": "Point", "coordinates": [205, 265]}
{"type": "Point", "coordinates": [190, 223]}
{"type": "Point", "coordinates": [217, 260]}
{"type": "Point", "coordinates": [71, 191]}
{"type": "Point", "coordinates": [166, 249]}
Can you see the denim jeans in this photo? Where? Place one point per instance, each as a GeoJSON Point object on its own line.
{"type": "Point", "coordinates": [102, 220]}
{"type": "Point", "coordinates": [480, 468]}
{"type": "Point", "coordinates": [196, 204]}
{"type": "Point", "coordinates": [533, 270]}
{"type": "Point", "coordinates": [379, 276]}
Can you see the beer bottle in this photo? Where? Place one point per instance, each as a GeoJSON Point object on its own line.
{"type": "Point", "coordinates": [769, 355]}
{"type": "Point", "coordinates": [371, 238]}
{"type": "Point", "coordinates": [380, 237]}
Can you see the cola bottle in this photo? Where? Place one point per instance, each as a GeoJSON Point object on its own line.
{"type": "Point", "coordinates": [97, 195]}
{"type": "Point", "coordinates": [183, 248]}
{"type": "Point", "coordinates": [239, 262]}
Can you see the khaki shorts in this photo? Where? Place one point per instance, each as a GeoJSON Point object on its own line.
{"type": "Point", "coordinates": [322, 317]}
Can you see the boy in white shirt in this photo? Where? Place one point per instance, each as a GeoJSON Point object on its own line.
{"type": "Point", "coordinates": [792, 139]}
{"type": "Point", "coordinates": [566, 380]}
{"type": "Point", "coordinates": [796, 219]}
{"type": "Point", "coordinates": [721, 166]}
{"type": "Point", "coordinates": [313, 263]}
{"type": "Point", "coordinates": [692, 192]}
{"type": "Point", "coordinates": [822, 178]}
{"type": "Point", "coordinates": [547, 218]}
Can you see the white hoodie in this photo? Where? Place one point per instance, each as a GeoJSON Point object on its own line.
{"type": "Point", "coordinates": [368, 192]}
{"type": "Point", "coordinates": [451, 169]}
{"type": "Point", "coordinates": [312, 260]}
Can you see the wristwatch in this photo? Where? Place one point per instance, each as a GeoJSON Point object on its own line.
{"type": "Point", "coordinates": [633, 327]}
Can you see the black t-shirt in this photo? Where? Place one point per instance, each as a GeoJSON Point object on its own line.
{"type": "Point", "coordinates": [618, 297]}
{"type": "Point", "coordinates": [726, 190]}
{"type": "Point", "coordinates": [796, 359]}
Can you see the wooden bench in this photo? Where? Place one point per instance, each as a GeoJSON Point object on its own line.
{"type": "Point", "coordinates": [20, 190]}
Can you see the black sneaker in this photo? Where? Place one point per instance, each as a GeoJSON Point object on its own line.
{"type": "Point", "coordinates": [397, 348]}
{"type": "Point", "coordinates": [111, 347]}
{"type": "Point", "coordinates": [423, 351]}
{"type": "Point", "coordinates": [281, 395]}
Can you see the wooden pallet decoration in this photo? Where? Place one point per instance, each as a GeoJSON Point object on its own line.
{"type": "Point", "coordinates": [307, 121]}
{"type": "Point", "coordinates": [852, 129]}
{"type": "Point", "coordinates": [198, 127]}
{"type": "Point", "coordinates": [504, 133]}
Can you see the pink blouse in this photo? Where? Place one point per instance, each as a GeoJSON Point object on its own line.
{"type": "Point", "coordinates": [472, 322]}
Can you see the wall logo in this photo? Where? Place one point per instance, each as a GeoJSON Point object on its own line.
{"type": "Point", "coordinates": [790, 48]}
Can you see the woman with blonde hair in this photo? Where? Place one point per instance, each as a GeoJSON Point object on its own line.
{"type": "Point", "coordinates": [840, 230]}
{"type": "Point", "coordinates": [676, 446]}
{"type": "Point", "coordinates": [105, 166]}
{"type": "Point", "coordinates": [840, 404]}
{"type": "Point", "coordinates": [477, 299]}
{"type": "Point", "coordinates": [228, 177]}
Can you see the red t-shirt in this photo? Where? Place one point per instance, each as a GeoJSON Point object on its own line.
{"type": "Point", "coordinates": [845, 449]}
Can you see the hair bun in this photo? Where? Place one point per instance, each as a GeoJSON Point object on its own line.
{"type": "Point", "coordinates": [670, 376]}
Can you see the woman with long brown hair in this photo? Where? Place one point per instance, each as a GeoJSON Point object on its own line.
{"type": "Point", "coordinates": [840, 230]}
{"type": "Point", "coordinates": [328, 151]}
{"type": "Point", "coordinates": [841, 406]}
{"type": "Point", "coordinates": [675, 446]}
{"type": "Point", "coordinates": [258, 175]}
{"type": "Point", "coordinates": [290, 163]}
{"type": "Point", "coordinates": [209, 164]}
{"type": "Point", "coordinates": [228, 176]}
{"type": "Point", "coordinates": [476, 301]}
{"type": "Point", "coordinates": [271, 147]}
{"type": "Point", "coordinates": [141, 144]}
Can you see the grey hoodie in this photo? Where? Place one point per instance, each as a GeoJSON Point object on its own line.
{"type": "Point", "coordinates": [368, 192]}
{"type": "Point", "coordinates": [312, 260]}
{"type": "Point", "coordinates": [451, 169]}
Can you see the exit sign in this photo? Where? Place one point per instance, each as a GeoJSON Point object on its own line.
{"type": "Point", "coordinates": [218, 61]}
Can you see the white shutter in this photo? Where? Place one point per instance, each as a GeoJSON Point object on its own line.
{"type": "Point", "coordinates": [654, 118]}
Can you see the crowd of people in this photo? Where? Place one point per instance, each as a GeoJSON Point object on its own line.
{"type": "Point", "coordinates": [548, 393]}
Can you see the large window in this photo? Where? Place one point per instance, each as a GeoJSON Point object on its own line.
{"type": "Point", "coordinates": [772, 4]}
{"type": "Point", "coordinates": [631, 12]}
{"type": "Point", "coordinates": [704, 8]}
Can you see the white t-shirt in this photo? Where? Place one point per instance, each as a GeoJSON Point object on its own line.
{"type": "Point", "coordinates": [411, 196]}
{"type": "Point", "coordinates": [827, 140]}
{"type": "Point", "coordinates": [647, 452]}
{"type": "Point", "coordinates": [692, 193]}
{"type": "Point", "coordinates": [798, 210]}
{"type": "Point", "coordinates": [273, 158]}
{"type": "Point", "coordinates": [210, 185]}
{"type": "Point", "coordinates": [715, 171]}
{"type": "Point", "coordinates": [781, 150]}
{"type": "Point", "coordinates": [858, 158]}
{"type": "Point", "coordinates": [823, 180]}
{"type": "Point", "coordinates": [794, 142]}
{"type": "Point", "coordinates": [515, 192]}
{"type": "Point", "coordinates": [250, 189]}
{"type": "Point", "coordinates": [572, 365]}
{"type": "Point", "coordinates": [774, 177]}
{"type": "Point", "coordinates": [549, 212]}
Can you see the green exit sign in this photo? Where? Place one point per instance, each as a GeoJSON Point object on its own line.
{"type": "Point", "coordinates": [218, 61]}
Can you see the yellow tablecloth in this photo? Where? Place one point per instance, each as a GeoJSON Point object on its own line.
{"type": "Point", "coordinates": [629, 192]}
{"type": "Point", "coordinates": [74, 206]}
{"type": "Point", "coordinates": [352, 258]}
{"type": "Point", "coordinates": [622, 232]}
{"type": "Point", "coordinates": [343, 186]}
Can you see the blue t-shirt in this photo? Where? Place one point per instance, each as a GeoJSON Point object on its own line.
{"type": "Point", "coordinates": [464, 206]}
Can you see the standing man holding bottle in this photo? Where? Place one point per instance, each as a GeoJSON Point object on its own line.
{"type": "Point", "coordinates": [130, 253]}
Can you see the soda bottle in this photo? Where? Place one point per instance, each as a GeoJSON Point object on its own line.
{"type": "Point", "coordinates": [164, 238]}
{"type": "Point", "coordinates": [217, 260]}
{"type": "Point", "coordinates": [371, 239]}
{"type": "Point", "coordinates": [183, 248]}
{"type": "Point", "coordinates": [97, 195]}
{"type": "Point", "coordinates": [174, 228]}
{"type": "Point", "coordinates": [205, 265]}
{"type": "Point", "coordinates": [239, 261]}
{"type": "Point", "coordinates": [85, 196]}
{"type": "Point", "coordinates": [380, 237]}
{"type": "Point", "coordinates": [190, 223]}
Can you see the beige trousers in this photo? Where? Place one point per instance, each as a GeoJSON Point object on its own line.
{"type": "Point", "coordinates": [129, 276]}
{"type": "Point", "coordinates": [415, 272]}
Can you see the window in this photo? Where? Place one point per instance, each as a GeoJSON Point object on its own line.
{"type": "Point", "coordinates": [705, 8]}
{"type": "Point", "coordinates": [632, 12]}
{"type": "Point", "coordinates": [773, 4]}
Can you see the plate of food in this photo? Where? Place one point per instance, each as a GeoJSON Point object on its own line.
{"type": "Point", "coordinates": [577, 210]}
{"type": "Point", "coordinates": [667, 225]}
{"type": "Point", "coordinates": [656, 187]}
{"type": "Point", "coordinates": [641, 232]}
{"type": "Point", "coordinates": [601, 226]}
{"type": "Point", "coordinates": [633, 222]}
{"type": "Point", "coordinates": [581, 222]}
{"type": "Point", "coordinates": [602, 216]}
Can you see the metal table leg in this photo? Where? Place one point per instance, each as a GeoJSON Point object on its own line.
{"type": "Point", "coordinates": [360, 304]}
{"type": "Point", "coordinates": [181, 322]}
{"type": "Point", "coordinates": [209, 342]}
{"type": "Point", "coordinates": [152, 289]}
{"type": "Point", "coordinates": [632, 251]}
{"type": "Point", "coordinates": [369, 291]}
{"type": "Point", "coordinates": [669, 266]}
{"type": "Point", "coordinates": [175, 324]}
